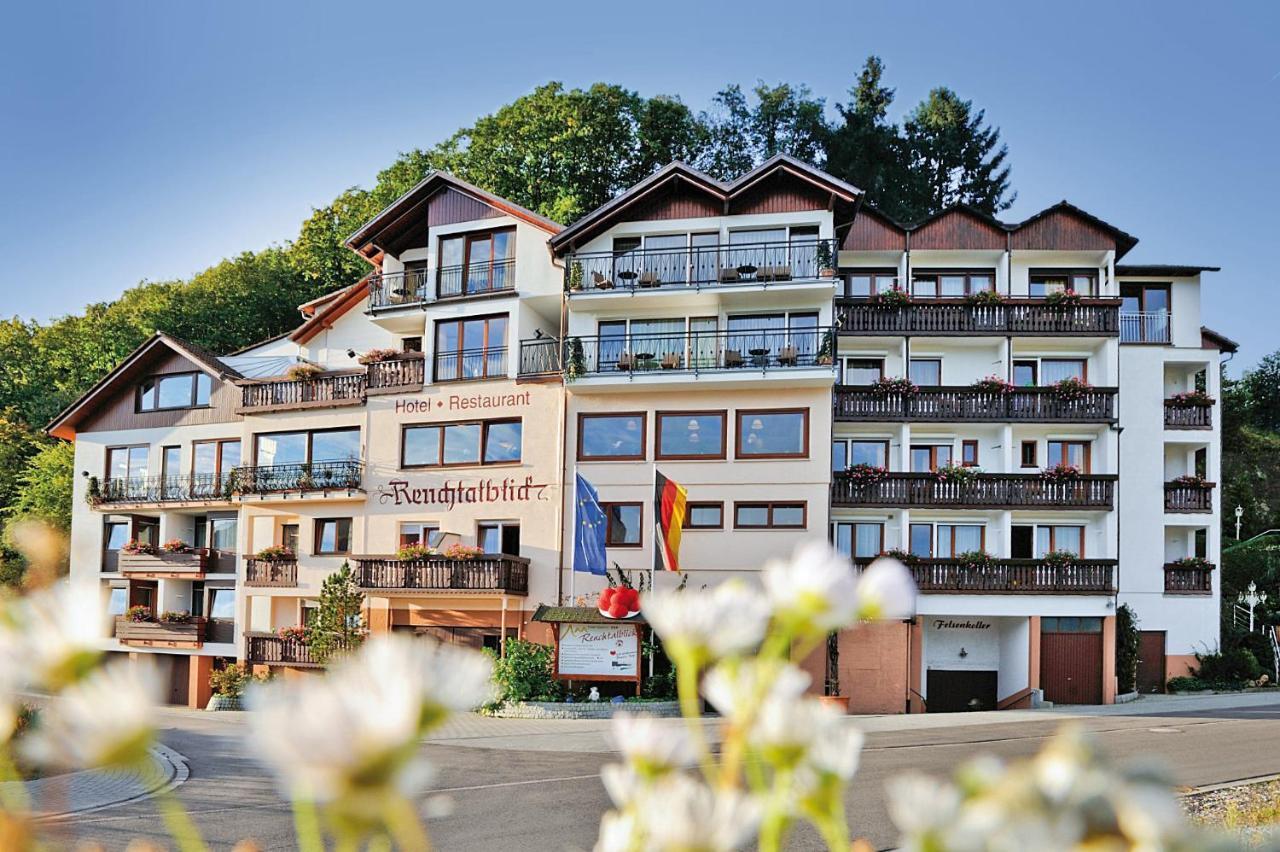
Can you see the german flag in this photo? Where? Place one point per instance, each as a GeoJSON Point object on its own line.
{"type": "Point", "coordinates": [669, 507]}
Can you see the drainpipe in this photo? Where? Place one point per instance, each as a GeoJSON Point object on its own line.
{"type": "Point", "coordinates": [564, 423]}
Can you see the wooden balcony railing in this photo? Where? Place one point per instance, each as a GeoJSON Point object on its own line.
{"type": "Point", "coordinates": [270, 649]}
{"type": "Point", "coordinates": [697, 266]}
{"type": "Point", "coordinates": [1026, 405]}
{"type": "Point", "coordinates": [488, 573]}
{"type": "Point", "coordinates": [984, 491]}
{"type": "Point", "coordinates": [1184, 580]}
{"type": "Point", "coordinates": [1015, 576]}
{"type": "Point", "coordinates": [346, 475]}
{"type": "Point", "coordinates": [324, 391]}
{"type": "Point", "coordinates": [947, 316]}
{"type": "Point", "coordinates": [397, 375]}
{"type": "Point", "coordinates": [1179, 497]}
{"type": "Point", "coordinates": [271, 573]}
{"type": "Point", "coordinates": [186, 488]}
{"type": "Point", "coordinates": [190, 634]}
{"type": "Point", "coordinates": [1182, 416]}
{"type": "Point", "coordinates": [191, 565]}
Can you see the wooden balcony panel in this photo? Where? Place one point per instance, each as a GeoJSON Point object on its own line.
{"type": "Point", "coordinates": [158, 634]}
{"type": "Point", "coordinates": [1015, 576]}
{"type": "Point", "coordinates": [938, 404]}
{"type": "Point", "coordinates": [324, 391]}
{"type": "Point", "coordinates": [397, 375]}
{"type": "Point", "coordinates": [1179, 580]}
{"type": "Point", "coordinates": [182, 566]}
{"type": "Point", "coordinates": [985, 491]}
{"type": "Point", "coordinates": [270, 649]}
{"type": "Point", "coordinates": [489, 573]}
{"type": "Point", "coordinates": [271, 573]}
{"type": "Point", "coordinates": [1015, 316]}
{"type": "Point", "coordinates": [1184, 417]}
{"type": "Point", "coordinates": [1188, 498]}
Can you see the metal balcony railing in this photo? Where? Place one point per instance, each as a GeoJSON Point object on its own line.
{"type": "Point", "coordinates": [184, 488]}
{"type": "Point", "coordinates": [414, 287]}
{"type": "Point", "coordinates": [698, 266]}
{"type": "Point", "coordinates": [471, 364]}
{"type": "Point", "coordinates": [1145, 326]}
{"type": "Point", "coordinates": [344, 475]}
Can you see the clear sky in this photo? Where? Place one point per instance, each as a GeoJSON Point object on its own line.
{"type": "Point", "coordinates": [147, 140]}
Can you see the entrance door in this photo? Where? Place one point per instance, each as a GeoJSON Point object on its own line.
{"type": "Point", "coordinates": [179, 678]}
{"type": "Point", "coordinates": [1151, 661]}
{"type": "Point", "coordinates": [960, 691]}
{"type": "Point", "coordinates": [1071, 659]}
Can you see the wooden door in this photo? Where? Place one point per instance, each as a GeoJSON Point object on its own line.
{"type": "Point", "coordinates": [1071, 667]}
{"type": "Point", "coordinates": [1151, 662]}
{"type": "Point", "coordinates": [179, 678]}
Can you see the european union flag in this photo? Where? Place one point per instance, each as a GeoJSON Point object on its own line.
{"type": "Point", "coordinates": [588, 540]}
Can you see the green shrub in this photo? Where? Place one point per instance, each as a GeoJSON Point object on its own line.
{"type": "Point", "coordinates": [1127, 649]}
{"type": "Point", "coordinates": [1235, 666]}
{"type": "Point", "coordinates": [232, 679]}
{"type": "Point", "coordinates": [525, 673]}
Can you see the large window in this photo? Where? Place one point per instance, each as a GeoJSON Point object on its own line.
{"type": "Point", "coordinates": [1074, 453]}
{"type": "Point", "coordinates": [211, 461]}
{"type": "Point", "coordinates": [955, 539]}
{"type": "Point", "coordinates": [1043, 282]}
{"type": "Point", "coordinates": [691, 435]}
{"type": "Point", "coordinates": [861, 371]}
{"type": "Point", "coordinates": [1061, 538]}
{"type": "Point", "coordinates": [476, 263]}
{"type": "Point", "coordinates": [179, 390]}
{"type": "Point", "coordinates": [1144, 313]}
{"type": "Point", "coordinates": [617, 437]}
{"type": "Point", "coordinates": [1054, 370]}
{"type": "Point", "coordinates": [277, 448]}
{"type": "Point", "coordinates": [126, 463]}
{"type": "Point", "coordinates": [333, 536]}
{"type": "Point", "coordinates": [858, 539]}
{"type": "Point", "coordinates": [929, 283]}
{"type": "Point", "coordinates": [865, 283]}
{"type": "Point", "coordinates": [222, 534]}
{"type": "Point", "coordinates": [925, 372]}
{"type": "Point", "coordinates": [773, 433]}
{"type": "Point", "coordinates": [442, 445]}
{"type": "Point", "coordinates": [426, 533]}
{"type": "Point", "coordinates": [778, 516]}
{"type": "Point", "coordinates": [623, 524]}
{"type": "Point", "coordinates": [929, 457]}
{"type": "Point", "coordinates": [473, 348]}
{"type": "Point", "coordinates": [704, 516]}
{"type": "Point", "coordinates": [847, 452]}
{"type": "Point", "coordinates": [499, 537]}
{"type": "Point", "coordinates": [921, 540]}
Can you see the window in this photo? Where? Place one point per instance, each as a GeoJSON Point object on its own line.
{"type": "Point", "coordinates": [951, 284]}
{"type": "Point", "coordinates": [277, 448]}
{"type": "Point", "coordinates": [861, 371]}
{"type": "Point", "coordinates": [921, 540]}
{"type": "Point", "coordinates": [126, 463]}
{"type": "Point", "coordinates": [289, 537]}
{"type": "Point", "coordinates": [954, 539]}
{"type": "Point", "coordinates": [222, 534]}
{"type": "Point", "coordinates": [704, 516]}
{"type": "Point", "coordinates": [115, 535]}
{"type": "Point", "coordinates": [789, 516]}
{"type": "Point", "coordinates": [846, 452]}
{"type": "Point", "coordinates": [925, 371]}
{"type": "Point", "coordinates": [117, 600]}
{"type": "Point", "coordinates": [1029, 454]}
{"type": "Point", "coordinates": [476, 263]}
{"type": "Point", "coordinates": [690, 435]}
{"type": "Point", "coordinates": [179, 390]}
{"type": "Point", "coordinates": [1068, 539]}
{"type": "Point", "coordinates": [864, 283]}
{"type": "Point", "coordinates": [170, 472]}
{"type": "Point", "coordinates": [471, 349]}
{"type": "Point", "coordinates": [1144, 313]}
{"type": "Point", "coordinates": [333, 536]}
{"type": "Point", "coordinates": [212, 461]}
{"type": "Point", "coordinates": [969, 453]}
{"type": "Point", "coordinates": [1070, 624]}
{"type": "Point", "coordinates": [779, 433]}
{"type": "Point", "coordinates": [147, 529]}
{"type": "Point", "coordinates": [1025, 373]}
{"type": "Point", "coordinates": [499, 537]}
{"type": "Point", "coordinates": [426, 533]}
{"type": "Point", "coordinates": [411, 344]}
{"type": "Point", "coordinates": [622, 524]}
{"type": "Point", "coordinates": [1054, 370]}
{"type": "Point", "coordinates": [222, 604]}
{"type": "Point", "coordinates": [929, 457]}
{"type": "Point", "coordinates": [1043, 282]}
{"type": "Point", "coordinates": [619, 437]}
{"type": "Point", "coordinates": [1021, 537]}
{"type": "Point", "coordinates": [485, 442]}
{"type": "Point", "coordinates": [858, 540]}
{"type": "Point", "coordinates": [1074, 453]}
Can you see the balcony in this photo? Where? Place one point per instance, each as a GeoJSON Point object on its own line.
{"type": "Point", "coordinates": [1015, 576]}
{"type": "Point", "coordinates": [323, 476]}
{"type": "Point", "coordinates": [695, 352]}
{"type": "Point", "coordinates": [396, 375]}
{"type": "Point", "coordinates": [269, 649]}
{"type": "Point", "coordinates": [158, 634]}
{"type": "Point", "coordinates": [1014, 316]}
{"type": "Point", "coordinates": [1181, 578]}
{"type": "Point", "coordinates": [391, 290]}
{"type": "Point", "coordinates": [187, 488]}
{"type": "Point", "coordinates": [859, 403]}
{"type": "Point", "coordinates": [178, 566]}
{"type": "Point", "coordinates": [471, 365]}
{"type": "Point", "coordinates": [488, 573]}
{"type": "Point", "coordinates": [1188, 495]}
{"type": "Point", "coordinates": [328, 390]}
{"type": "Point", "coordinates": [1181, 415]}
{"type": "Point", "coordinates": [1145, 327]}
{"type": "Point", "coordinates": [271, 573]}
{"type": "Point", "coordinates": [983, 491]}
{"type": "Point", "coordinates": [698, 267]}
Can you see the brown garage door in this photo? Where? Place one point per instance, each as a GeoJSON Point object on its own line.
{"type": "Point", "coordinates": [1150, 661]}
{"type": "Point", "coordinates": [1071, 660]}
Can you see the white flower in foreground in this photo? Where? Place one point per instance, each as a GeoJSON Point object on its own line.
{"type": "Point", "coordinates": [448, 678]}
{"type": "Point", "coordinates": [738, 690]}
{"type": "Point", "coordinates": [682, 815]}
{"type": "Point", "coordinates": [55, 634]}
{"type": "Point", "coordinates": [652, 746]}
{"type": "Point", "coordinates": [885, 591]}
{"type": "Point", "coordinates": [815, 590]}
{"type": "Point", "coordinates": [618, 833]}
{"type": "Point", "coordinates": [728, 620]}
{"type": "Point", "coordinates": [105, 720]}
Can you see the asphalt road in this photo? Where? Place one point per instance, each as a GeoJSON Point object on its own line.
{"type": "Point", "coordinates": [506, 799]}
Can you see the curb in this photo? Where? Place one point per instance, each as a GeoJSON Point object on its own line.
{"type": "Point", "coordinates": [173, 765]}
{"type": "Point", "coordinates": [1226, 785]}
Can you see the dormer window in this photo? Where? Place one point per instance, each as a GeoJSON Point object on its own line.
{"type": "Point", "coordinates": [174, 391]}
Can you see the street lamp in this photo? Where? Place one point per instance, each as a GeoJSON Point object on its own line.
{"type": "Point", "coordinates": [1239, 515]}
{"type": "Point", "coordinates": [1252, 597]}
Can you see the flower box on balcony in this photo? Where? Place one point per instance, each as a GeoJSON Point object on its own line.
{"type": "Point", "coordinates": [165, 564]}
{"type": "Point", "coordinates": [161, 634]}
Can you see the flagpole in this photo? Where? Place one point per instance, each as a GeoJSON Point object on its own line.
{"type": "Point", "coordinates": [577, 529]}
{"type": "Point", "coordinates": [657, 531]}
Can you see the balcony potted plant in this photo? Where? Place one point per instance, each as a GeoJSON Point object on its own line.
{"type": "Point", "coordinates": [275, 553]}
{"type": "Point", "coordinates": [1191, 480]}
{"type": "Point", "coordinates": [138, 614]}
{"type": "Point", "coordinates": [174, 616]}
{"type": "Point", "coordinates": [906, 557]}
{"type": "Point", "coordinates": [1061, 473]}
{"type": "Point", "coordinates": [464, 552]}
{"type": "Point", "coordinates": [576, 363]}
{"type": "Point", "coordinates": [375, 356]}
{"type": "Point", "coordinates": [975, 560]}
{"type": "Point", "coordinates": [985, 297]}
{"type": "Point", "coordinates": [416, 553]}
{"type": "Point", "coordinates": [1191, 399]}
{"type": "Point", "coordinates": [956, 473]}
{"type": "Point", "coordinates": [575, 276]}
{"type": "Point", "coordinates": [894, 298]}
{"type": "Point", "coordinates": [864, 474]}
{"type": "Point", "coordinates": [93, 491]}
{"type": "Point", "coordinates": [1063, 298]}
{"type": "Point", "coordinates": [176, 545]}
{"type": "Point", "coordinates": [1071, 389]}
{"type": "Point", "coordinates": [134, 547]}
{"type": "Point", "coordinates": [826, 265]}
{"type": "Point", "coordinates": [826, 349]}
{"type": "Point", "coordinates": [893, 386]}
{"type": "Point", "coordinates": [1060, 558]}
{"type": "Point", "coordinates": [296, 633]}
{"type": "Point", "coordinates": [993, 385]}
{"type": "Point", "coordinates": [303, 372]}
{"type": "Point", "coordinates": [1190, 563]}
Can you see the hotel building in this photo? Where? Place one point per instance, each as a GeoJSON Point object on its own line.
{"type": "Point", "coordinates": [734, 336]}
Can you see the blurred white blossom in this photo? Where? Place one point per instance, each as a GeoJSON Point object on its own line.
{"type": "Point", "coordinates": [885, 591]}
{"type": "Point", "coordinates": [738, 689]}
{"type": "Point", "coordinates": [651, 745]}
{"type": "Point", "coordinates": [54, 635]}
{"type": "Point", "coordinates": [815, 590]}
{"type": "Point", "coordinates": [730, 619]}
{"type": "Point", "coordinates": [677, 813]}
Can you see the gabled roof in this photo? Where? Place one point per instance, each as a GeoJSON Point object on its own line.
{"type": "Point", "coordinates": [361, 241]}
{"type": "Point", "coordinates": [1124, 241]}
{"type": "Point", "coordinates": [722, 191]}
{"type": "Point", "coordinates": [1221, 341]}
{"type": "Point", "coordinates": [1165, 270]}
{"type": "Point", "coordinates": [63, 425]}
{"type": "Point", "coordinates": [327, 315]}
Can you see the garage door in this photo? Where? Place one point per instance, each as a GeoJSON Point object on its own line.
{"type": "Point", "coordinates": [960, 691]}
{"type": "Point", "coordinates": [1071, 660]}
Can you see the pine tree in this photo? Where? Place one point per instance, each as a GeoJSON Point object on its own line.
{"type": "Point", "coordinates": [954, 156]}
{"type": "Point", "coordinates": [339, 622]}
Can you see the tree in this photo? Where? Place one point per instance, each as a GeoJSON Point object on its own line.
{"type": "Point", "coordinates": [783, 119]}
{"type": "Point", "coordinates": [339, 625]}
{"type": "Point", "coordinates": [866, 149]}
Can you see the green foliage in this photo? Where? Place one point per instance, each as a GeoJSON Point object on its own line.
{"type": "Point", "coordinates": [1127, 637]}
{"type": "Point", "coordinates": [339, 621]}
{"type": "Point", "coordinates": [1233, 666]}
{"type": "Point", "coordinates": [525, 673]}
{"type": "Point", "coordinates": [232, 679]}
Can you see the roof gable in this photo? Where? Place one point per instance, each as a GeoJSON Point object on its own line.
{"type": "Point", "coordinates": [960, 227]}
{"type": "Point", "coordinates": [1065, 227]}
{"type": "Point", "coordinates": [325, 317]}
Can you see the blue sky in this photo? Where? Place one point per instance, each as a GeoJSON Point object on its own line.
{"type": "Point", "coordinates": [147, 140]}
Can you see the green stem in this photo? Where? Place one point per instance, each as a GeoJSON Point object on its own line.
{"type": "Point", "coordinates": [13, 796]}
{"type": "Point", "coordinates": [833, 825]}
{"type": "Point", "coordinates": [687, 690]}
{"type": "Point", "coordinates": [774, 827]}
{"type": "Point", "coordinates": [179, 823]}
{"type": "Point", "coordinates": [406, 826]}
{"type": "Point", "coordinates": [306, 823]}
